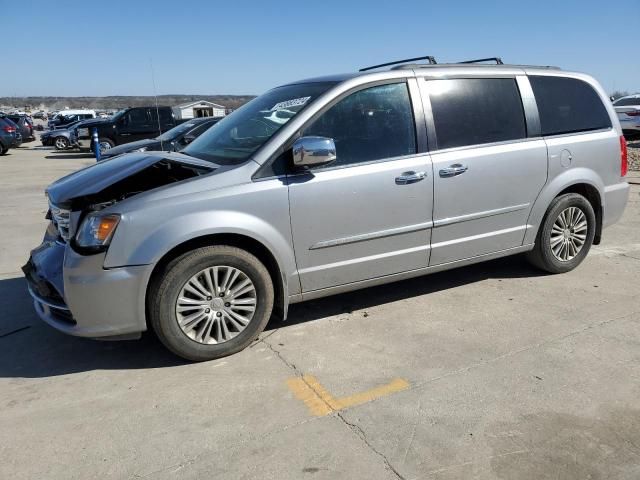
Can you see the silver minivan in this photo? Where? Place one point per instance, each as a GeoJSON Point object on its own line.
{"type": "Point", "coordinates": [328, 185]}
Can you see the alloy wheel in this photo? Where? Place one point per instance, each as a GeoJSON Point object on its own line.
{"type": "Point", "coordinates": [104, 146]}
{"type": "Point", "coordinates": [216, 304]}
{"type": "Point", "coordinates": [568, 234]}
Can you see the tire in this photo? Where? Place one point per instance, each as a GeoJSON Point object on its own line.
{"type": "Point", "coordinates": [543, 256]}
{"type": "Point", "coordinates": [193, 343]}
{"type": "Point", "coordinates": [61, 143]}
{"type": "Point", "coordinates": [3, 150]}
{"type": "Point", "coordinates": [105, 144]}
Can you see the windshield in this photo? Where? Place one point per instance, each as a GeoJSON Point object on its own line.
{"type": "Point", "coordinates": [117, 115]}
{"type": "Point", "coordinates": [236, 137]}
{"type": "Point", "coordinates": [623, 102]}
{"type": "Point", "coordinates": [175, 132]}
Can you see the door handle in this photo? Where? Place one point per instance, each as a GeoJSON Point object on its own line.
{"type": "Point", "coordinates": [453, 170]}
{"type": "Point", "coordinates": [410, 177]}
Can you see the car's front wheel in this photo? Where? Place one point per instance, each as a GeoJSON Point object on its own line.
{"type": "Point", "coordinates": [211, 302]}
{"type": "Point", "coordinates": [105, 144]}
{"type": "Point", "coordinates": [61, 143]}
{"type": "Point", "coordinates": [566, 234]}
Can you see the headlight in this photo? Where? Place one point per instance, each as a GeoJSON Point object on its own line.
{"type": "Point", "coordinates": [96, 231]}
{"type": "Point", "coordinates": [142, 149]}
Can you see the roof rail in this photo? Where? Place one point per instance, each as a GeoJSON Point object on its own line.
{"type": "Point", "coordinates": [431, 59]}
{"type": "Point", "coordinates": [498, 60]}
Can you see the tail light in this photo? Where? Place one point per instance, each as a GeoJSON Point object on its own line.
{"type": "Point", "coordinates": [9, 129]}
{"type": "Point", "coordinates": [623, 157]}
{"type": "Point", "coordinates": [633, 114]}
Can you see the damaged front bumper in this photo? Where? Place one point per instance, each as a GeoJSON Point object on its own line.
{"type": "Point", "coordinates": [76, 295]}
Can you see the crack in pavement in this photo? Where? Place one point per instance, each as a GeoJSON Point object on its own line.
{"type": "Point", "coordinates": [520, 350]}
{"type": "Point", "coordinates": [359, 432]}
{"type": "Point", "coordinates": [190, 461]}
{"type": "Point", "coordinates": [354, 428]}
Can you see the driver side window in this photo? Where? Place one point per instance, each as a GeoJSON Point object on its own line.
{"type": "Point", "coordinates": [370, 124]}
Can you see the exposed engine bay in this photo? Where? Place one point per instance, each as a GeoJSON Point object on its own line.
{"type": "Point", "coordinates": [157, 175]}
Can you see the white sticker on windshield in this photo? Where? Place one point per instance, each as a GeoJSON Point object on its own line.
{"type": "Point", "coordinates": [296, 102]}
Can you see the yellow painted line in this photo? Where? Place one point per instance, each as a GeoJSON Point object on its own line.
{"type": "Point", "coordinates": [320, 402]}
{"type": "Point", "coordinates": [310, 398]}
{"type": "Point", "coordinates": [396, 385]}
{"type": "Point", "coordinates": [321, 392]}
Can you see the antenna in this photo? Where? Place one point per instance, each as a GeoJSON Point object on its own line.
{"type": "Point", "coordinates": [155, 94]}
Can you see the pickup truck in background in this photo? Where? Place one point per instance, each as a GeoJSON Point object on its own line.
{"type": "Point", "coordinates": [129, 125]}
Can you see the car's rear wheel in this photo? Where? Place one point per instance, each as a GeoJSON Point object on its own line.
{"type": "Point", "coordinates": [3, 150]}
{"type": "Point", "coordinates": [211, 302]}
{"type": "Point", "coordinates": [566, 234]}
{"type": "Point", "coordinates": [61, 143]}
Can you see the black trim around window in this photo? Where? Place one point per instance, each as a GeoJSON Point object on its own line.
{"type": "Point", "coordinates": [269, 170]}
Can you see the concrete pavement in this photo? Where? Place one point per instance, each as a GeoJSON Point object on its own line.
{"type": "Point", "coordinates": [509, 374]}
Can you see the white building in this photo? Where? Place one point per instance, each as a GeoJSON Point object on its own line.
{"type": "Point", "coordinates": [198, 109]}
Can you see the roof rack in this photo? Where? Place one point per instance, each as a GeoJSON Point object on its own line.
{"type": "Point", "coordinates": [402, 65]}
{"type": "Point", "coordinates": [431, 60]}
{"type": "Point", "coordinates": [498, 60]}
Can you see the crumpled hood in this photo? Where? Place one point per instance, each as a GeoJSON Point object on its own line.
{"type": "Point", "coordinates": [136, 172]}
{"type": "Point", "coordinates": [150, 143]}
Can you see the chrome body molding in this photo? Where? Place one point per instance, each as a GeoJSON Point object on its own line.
{"type": "Point", "coordinates": [477, 215]}
{"type": "Point", "coordinates": [372, 235]}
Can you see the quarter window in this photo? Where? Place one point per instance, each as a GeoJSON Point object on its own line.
{"type": "Point", "coordinates": [568, 105]}
{"type": "Point", "coordinates": [473, 111]}
{"type": "Point", "coordinates": [371, 124]}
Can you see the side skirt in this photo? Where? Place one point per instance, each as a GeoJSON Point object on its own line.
{"type": "Point", "coordinates": [325, 292]}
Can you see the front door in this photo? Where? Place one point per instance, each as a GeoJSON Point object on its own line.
{"type": "Point", "coordinates": [368, 214]}
{"type": "Point", "coordinates": [487, 172]}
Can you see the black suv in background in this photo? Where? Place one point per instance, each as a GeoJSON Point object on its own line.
{"type": "Point", "coordinates": [172, 140]}
{"type": "Point", "coordinates": [127, 126]}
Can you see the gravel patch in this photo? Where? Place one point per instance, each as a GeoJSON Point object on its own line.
{"type": "Point", "coordinates": [634, 155]}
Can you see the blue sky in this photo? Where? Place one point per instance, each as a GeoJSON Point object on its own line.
{"type": "Point", "coordinates": [70, 48]}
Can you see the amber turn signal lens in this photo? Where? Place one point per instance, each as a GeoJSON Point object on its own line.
{"type": "Point", "coordinates": [106, 226]}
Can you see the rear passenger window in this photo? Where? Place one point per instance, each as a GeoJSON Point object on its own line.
{"type": "Point", "coordinates": [473, 111]}
{"type": "Point", "coordinates": [568, 105]}
{"type": "Point", "coordinates": [371, 124]}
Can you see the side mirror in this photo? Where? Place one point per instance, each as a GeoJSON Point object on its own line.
{"type": "Point", "coordinates": [313, 152]}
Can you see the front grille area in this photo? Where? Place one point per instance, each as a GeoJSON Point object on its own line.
{"type": "Point", "coordinates": [61, 219]}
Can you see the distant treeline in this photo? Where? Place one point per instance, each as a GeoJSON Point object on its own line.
{"type": "Point", "coordinates": [120, 101]}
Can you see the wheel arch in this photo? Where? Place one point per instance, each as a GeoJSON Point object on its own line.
{"type": "Point", "coordinates": [592, 194]}
{"type": "Point", "coordinates": [251, 245]}
{"type": "Point", "coordinates": [579, 180]}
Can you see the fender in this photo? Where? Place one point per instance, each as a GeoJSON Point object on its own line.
{"type": "Point", "coordinates": [155, 243]}
{"type": "Point", "coordinates": [551, 190]}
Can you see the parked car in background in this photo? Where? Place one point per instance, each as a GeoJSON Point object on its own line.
{"type": "Point", "coordinates": [8, 138]}
{"type": "Point", "coordinates": [628, 110]}
{"type": "Point", "coordinates": [41, 115]}
{"type": "Point", "coordinates": [172, 140]}
{"type": "Point", "coordinates": [18, 140]}
{"type": "Point", "coordinates": [60, 137]}
{"type": "Point", "coordinates": [126, 126]}
{"type": "Point", "coordinates": [65, 117]}
{"type": "Point", "coordinates": [25, 124]}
